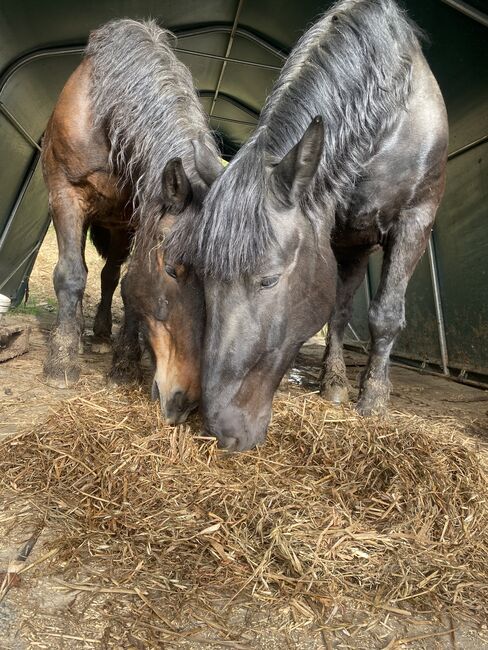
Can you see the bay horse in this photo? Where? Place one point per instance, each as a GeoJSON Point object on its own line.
{"type": "Point", "coordinates": [118, 158]}
{"type": "Point", "coordinates": [349, 156]}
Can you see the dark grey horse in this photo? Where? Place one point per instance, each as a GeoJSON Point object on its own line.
{"type": "Point", "coordinates": [349, 156]}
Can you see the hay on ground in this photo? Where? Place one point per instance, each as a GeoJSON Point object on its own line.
{"type": "Point", "coordinates": [334, 514]}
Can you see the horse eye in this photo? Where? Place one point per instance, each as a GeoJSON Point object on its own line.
{"type": "Point", "coordinates": [170, 270]}
{"type": "Point", "coordinates": [269, 281]}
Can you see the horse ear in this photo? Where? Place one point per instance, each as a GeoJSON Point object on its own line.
{"type": "Point", "coordinates": [176, 186]}
{"type": "Point", "coordinates": [297, 169]}
{"type": "Point", "coordinates": [207, 163]}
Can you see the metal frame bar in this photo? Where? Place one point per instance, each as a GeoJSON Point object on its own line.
{"type": "Point", "coordinates": [468, 10]}
{"type": "Point", "coordinates": [28, 267]}
{"type": "Point", "coordinates": [221, 118]}
{"type": "Point", "coordinates": [20, 196]}
{"type": "Point", "coordinates": [7, 73]}
{"type": "Point", "coordinates": [468, 147]}
{"type": "Point", "coordinates": [186, 33]}
{"type": "Point", "coordinates": [240, 31]}
{"type": "Point", "coordinates": [18, 126]}
{"type": "Point", "coordinates": [43, 53]}
{"type": "Point", "coordinates": [231, 100]}
{"type": "Point", "coordinates": [227, 59]}
{"type": "Point", "coordinates": [441, 328]}
{"type": "Point", "coordinates": [359, 341]}
{"type": "Point", "coordinates": [24, 260]}
{"type": "Point", "coordinates": [227, 54]}
{"type": "Point", "coordinates": [428, 368]}
{"type": "Point", "coordinates": [367, 286]}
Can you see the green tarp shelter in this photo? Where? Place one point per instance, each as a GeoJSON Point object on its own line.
{"type": "Point", "coordinates": [235, 49]}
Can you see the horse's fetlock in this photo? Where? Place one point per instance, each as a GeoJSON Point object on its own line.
{"type": "Point", "coordinates": [374, 394]}
{"type": "Point", "coordinates": [61, 367]}
{"type": "Point", "coordinates": [124, 371]}
{"type": "Point", "coordinates": [102, 325]}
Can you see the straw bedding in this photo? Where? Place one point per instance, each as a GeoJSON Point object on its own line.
{"type": "Point", "coordinates": [334, 514]}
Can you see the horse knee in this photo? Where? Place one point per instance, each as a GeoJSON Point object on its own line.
{"type": "Point", "coordinates": [70, 278]}
{"type": "Point", "coordinates": [386, 321]}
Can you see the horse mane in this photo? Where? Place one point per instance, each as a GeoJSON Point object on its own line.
{"type": "Point", "coordinates": [353, 67]}
{"type": "Point", "coordinates": [144, 99]}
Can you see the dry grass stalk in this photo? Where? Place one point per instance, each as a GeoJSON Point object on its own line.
{"type": "Point", "coordinates": [335, 513]}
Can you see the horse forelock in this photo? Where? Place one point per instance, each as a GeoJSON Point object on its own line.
{"type": "Point", "coordinates": [353, 67]}
{"type": "Point", "coordinates": [145, 100]}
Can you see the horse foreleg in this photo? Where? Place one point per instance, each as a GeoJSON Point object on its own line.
{"type": "Point", "coordinates": [406, 242]}
{"type": "Point", "coordinates": [102, 325]}
{"type": "Point", "coordinates": [127, 350]}
{"type": "Point", "coordinates": [61, 366]}
{"type": "Point", "coordinates": [333, 379]}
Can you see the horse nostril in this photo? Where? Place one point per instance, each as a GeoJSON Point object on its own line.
{"type": "Point", "coordinates": [178, 400]}
{"type": "Point", "coordinates": [178, 407]}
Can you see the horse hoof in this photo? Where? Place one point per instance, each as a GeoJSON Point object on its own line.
{"type": "Point", "coordinates": [101, 347]}
{"type": "Point", "coordinates": [117, 378]}
{"type": "Point", "coordinates": [335, 394]}
{"type": "Point", "coordinates": [116, 381]}
{"type": "Point", "coordinates": [370, 408]}
{"type": "Point", "coordinates": [61, 382]}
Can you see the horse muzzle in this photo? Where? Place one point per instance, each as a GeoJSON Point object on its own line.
{"type": "Point", "coordinates": [237, 430]}
{"type": "Point", "coordinates": [176, 407]}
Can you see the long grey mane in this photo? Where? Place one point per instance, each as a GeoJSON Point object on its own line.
{"type": "Point", "coordinates": [353, 67]}
{"type": "Point", "coordinates": [145, 101]}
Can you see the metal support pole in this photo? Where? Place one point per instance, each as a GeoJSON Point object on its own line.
{"type": "Point", "coordinates": [240, 31]}
{"type": "Point", "coordinates": [227, 59]}
{"type": "Point", "coordinates": [468, 147]}
{"type": "Point", "coordinates": [367, 289]}
{"type": "Point", "coordinates": [20, 196]}
{"type": "Point", "coordinates": [468, 10]}
{"type": "Point", "coordinates": [244, 108]}
{"type": "Point", "coordinates": [227, 54]}
{"type": "Point", "coordinates": [18, 126]}
{"type": "Point", "coordinates": [7, 73]}
{"type": "Point", "coordinates": [438, 307]}
{"type": "Point", "coordinates": [356, 336]}
{"type": "Point", "coordinates": [219, 118]}
{"type": "Point", "coordinates": [24, 260]}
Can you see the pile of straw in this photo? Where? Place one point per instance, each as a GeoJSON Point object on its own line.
{"type": "Point", "coordinates": [333, 514]}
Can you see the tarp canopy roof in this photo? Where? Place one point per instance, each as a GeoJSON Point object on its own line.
{"type": "Point", "coordinates": [235, 49]}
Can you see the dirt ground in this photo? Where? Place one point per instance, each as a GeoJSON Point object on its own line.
{"type": "Point", "coordinates": [26, 399]}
